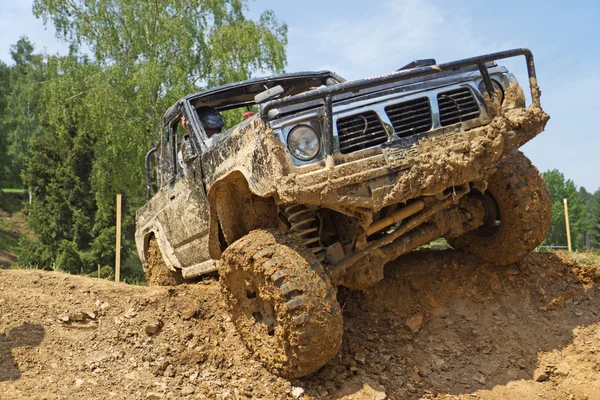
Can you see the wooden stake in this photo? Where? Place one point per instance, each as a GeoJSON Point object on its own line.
{"type": "Point", "coordinates": [567, 224]}
{"type": "Point", "coordinates": [98, 271]}
{"type": "Point", "coordinates": [118, 253]}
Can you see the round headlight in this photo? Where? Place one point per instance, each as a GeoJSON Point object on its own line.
{"type": "Point", "coordinates": [303, 142]}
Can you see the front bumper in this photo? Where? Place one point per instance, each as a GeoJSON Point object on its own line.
{"type": "Point", "coordinates": [439, 161]}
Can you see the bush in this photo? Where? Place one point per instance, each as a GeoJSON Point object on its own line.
{"type": "Point", "coordinates": [103, 246]}
{"type": "Point", "coordinates": [106, 272]}
{"type": "Point", "coordinates": [33, 254]}
{"type": "Point", "coordinates": [89, 263]}
{"type": "Point", "coordinates": [68, 258]}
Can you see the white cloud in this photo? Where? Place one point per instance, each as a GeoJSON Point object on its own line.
{"type": "Point", "coordinates": [397, 33]}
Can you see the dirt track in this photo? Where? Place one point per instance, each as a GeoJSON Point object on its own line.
{"type": "Point", "coordinates": [485, 333]}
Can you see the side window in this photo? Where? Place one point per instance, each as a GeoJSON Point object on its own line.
{"type": "Point", "coordinates": [183, 149]}
{"type": "Point", "coordinates": [164, 164]}
{"type": "Point", "coordinates": [168, 167]}
{"type": "Point", "coordinates": [175, 154]}
{"type": "Point", "coordinates": [180, 135]}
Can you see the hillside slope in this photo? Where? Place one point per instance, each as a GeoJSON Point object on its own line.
{"type": "Point", "coordinates": [440, 326]}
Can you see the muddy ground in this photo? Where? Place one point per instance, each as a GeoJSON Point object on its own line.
{"type": "Point", "coordinates": [440, 326]}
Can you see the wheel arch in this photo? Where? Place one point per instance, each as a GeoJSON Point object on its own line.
{"type": "Point", "coordinates": [166, 250]}
{"type": "Point", "coordinates": [237, 207]}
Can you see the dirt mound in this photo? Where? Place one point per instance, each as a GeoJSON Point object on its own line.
{"type": "Point", "coordinates": [440, 326]}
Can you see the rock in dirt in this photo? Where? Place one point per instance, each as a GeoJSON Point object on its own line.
{"type": "Point", "coordinates": [562, 370]}
{"type": "Point", "coordinates": [78, 317]}
{"type": "Point", "coordinates": [415, 323]}
{"type": "Point", "coordinates": [361, 389]}
{"type": "Point", "coordinates": [297, 392]}
{"type": "Point", "coordinates": [438, 362]}
{"type": "Point", "coordinates": [153, 328]}
{"type": "Point", "coordinates": [360, 357]}
{"type": "Point", "coordinates": [188, 390]}
{"type": "Point", "coordinates": [557, 303]}
{"type": "Point", "coordinates": [63, 318]}
{"type": "Point", "coordinates": [540, 375]}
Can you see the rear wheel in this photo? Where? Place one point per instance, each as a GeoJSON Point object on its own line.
{"type": "Point", "coordinates": [157, 272]}
{"type": "Point", "coordinates": [518, 213]}
{"type": "Point", "coordinates": [282, 302]}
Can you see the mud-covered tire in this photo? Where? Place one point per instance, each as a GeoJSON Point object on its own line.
{"type": "Point", "coordinates": [157, 272]}
{"type": "Point", "coordinates": [524, 208]}
{"type": "Point", "coordinates": [281, 302]}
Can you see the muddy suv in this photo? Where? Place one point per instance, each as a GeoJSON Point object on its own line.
{"type": "Point", "coordinates": [327, 180]}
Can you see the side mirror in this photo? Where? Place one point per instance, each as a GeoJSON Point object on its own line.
{"type": "Point", "coordinates": [269, 94]}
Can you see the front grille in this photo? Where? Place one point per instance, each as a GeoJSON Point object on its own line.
{"type": "Point", "coordinates": [360, 131]}
{"type": "Point", "coordinates": [411, 117]}
{"type": "Point", "coordinates": [457, 106]}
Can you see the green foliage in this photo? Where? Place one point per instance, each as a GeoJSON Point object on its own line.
{"type": "Point", "coordinates": [149, 54]}
{"type": "Point", "coordinates": [560, 189]}
{"type": "Point", "coordinates": [132, 272]}
{"type": "Point", "coordinates": [103, 247]}
{"type": "Point", "coordinates": [79, 126]}
{"type": "Point", "coordinates": [68, 258]}
{"type": "Point", "coordinates": [34, 254]}
{"type": "Point", "coordinates": [12, 227]}
{"type": "Point", "coordinates": [20, 122]}
{"type": "Point", "coordinates": [8, 241]}
{"type": "Point", "coordinates": [106, 272]}
{"type": "Point", "coordinates": [13, 190]}
{"type": "Point", "coordinates": [595, 220]}
{"type": "Point", "coordinates": [5, 165]}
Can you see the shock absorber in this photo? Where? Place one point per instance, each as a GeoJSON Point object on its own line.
{"type": "Point", "coordinates": [306, 226]}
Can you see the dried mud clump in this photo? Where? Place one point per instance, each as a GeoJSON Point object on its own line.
{"type": "Point", "coordinates": [157, 272]}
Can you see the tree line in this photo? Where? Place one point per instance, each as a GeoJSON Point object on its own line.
{"type": "Point", "coordinates": [584, 213]}
{"type": "Point", "coordinates": [74, 128]}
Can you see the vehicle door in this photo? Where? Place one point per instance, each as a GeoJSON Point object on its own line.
{"type": "Point", "coordinates": [185, 217]}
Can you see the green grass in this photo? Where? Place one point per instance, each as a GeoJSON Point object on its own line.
{"type": "Point", "coordinates": [9, 241]}
{"type": "Point", "coordinates": [132, 272]}
{"type": "Point", "coordinates": [7, 191]}
{"type": "Point", "coordinates": [587, 257]}
{"type": "Point", "coordinates": [12, 200]}
{"type": "Point", "coordinates": [438, 244]}
{"type": "Point", "coordinates": [12, 224]}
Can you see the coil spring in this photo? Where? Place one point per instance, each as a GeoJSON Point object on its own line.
{"type": "Point", "coordinates": [305, 225]}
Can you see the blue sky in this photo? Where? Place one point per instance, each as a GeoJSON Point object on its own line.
{"type": "Point", "coordinates": [357, 39]}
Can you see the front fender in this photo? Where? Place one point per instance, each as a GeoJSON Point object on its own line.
{"type": "Point", "coordinates": [236, 208]}
{"type": "Point", "coordinates": [250, 149]}
{"type": "Point", "coordinates": [142, 237]}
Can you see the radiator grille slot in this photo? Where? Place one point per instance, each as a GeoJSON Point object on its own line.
{"type": "Point", "coordinates": [411, 117]}
{"type": "Point", "coordinates": [360, 131]}
{"type": "Point", "coordinates": [457, 106]}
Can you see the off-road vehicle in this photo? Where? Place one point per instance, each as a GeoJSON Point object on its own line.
{"type": "Point", "coordinates": [330, 179]}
